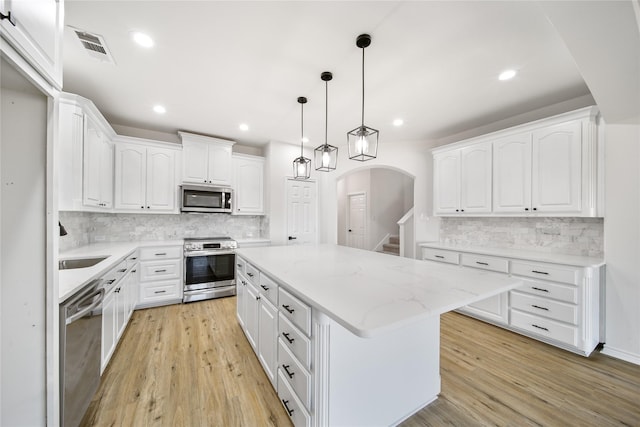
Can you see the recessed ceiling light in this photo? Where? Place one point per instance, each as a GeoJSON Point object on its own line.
{"type": "Point", "coordinates": [398, 122]}
{"type": "Point", "coordinates": [507, 75]}
{"type": "Point", "coordinates": [142, 39]}
{"type": "Point", "coordinates": [244, 127]}
{"type": "Point", "coordinates": [305, 139]}
{"type": "Point", "coordinates": [159, 109]}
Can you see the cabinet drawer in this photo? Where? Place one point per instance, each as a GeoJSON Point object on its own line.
{"type": "Point", "coordinates": [567, 293]}
{"type": "Point", "coordinates": [440, 255]}
{"type": "Point", "coordinates": [295, 310]}
{"type": "Point", "coordinates": [269, 289]}
{"type": "Point", "coordinates": [240, 265]}
{"type": "Point", "coordinates": [132, 259]}
{"type": "Point", "coordinates": [114, 275]}
{"type": "Point", "coordinates": [295, 374]}
{"type": "Point", "coordinates": [299, 416]}
{"type": "Point", "coordinates": [158, 291]}
{"type": "Point", "coordinates": [545, 307]}
{"type": "Point", "coordinates": [294, 340]}
{"type": "Point", "coordinates": [551, 272]}
{"type": "Point", "coordinates": [500, 265]}
{"type": "Point", "coordinates": [545, 327]}
{"type": "Point", "coordinates": [160, 252]}
{"type": "Point", "coordinates": [160, 270]}
{"type": "Point", "coordinates": [252, 274]}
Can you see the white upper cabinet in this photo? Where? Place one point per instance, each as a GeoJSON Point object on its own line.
{"type": "Point", "coordinates": [85, 161]}
{"type": "Point", "coordinates": [557, 169]}
{"type": "Point", "coordinates": [145, 176]}
{"type": "Point", "coordinates": [462, 180]}
{"type": "Point", "coordinates": [35, 31]}
{"type": "Point", "coordinates": [512, 174]}
{"type": "Point", "coordinates": [549, 167]}
{"type": "Point", "coordinates": [205, 160]}
{"type": "Point", "coordinates": [248, 183]}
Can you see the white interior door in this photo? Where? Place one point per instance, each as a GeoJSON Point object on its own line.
{"type": "Point", "coordinates": [301, 212]}
{"type": "Point", "coordinates": [356, 220]}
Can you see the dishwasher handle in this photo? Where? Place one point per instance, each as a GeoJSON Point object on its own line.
{"type": "Point", "coordinates": [97, 303]}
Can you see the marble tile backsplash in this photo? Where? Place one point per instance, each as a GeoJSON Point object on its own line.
{"type": "Point", "coordinates": [89, 227]}
{"type": "Point", "coordinates": [569, 236]}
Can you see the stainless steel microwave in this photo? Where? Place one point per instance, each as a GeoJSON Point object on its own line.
{"type": "Point", "coordinates": [200, 198]}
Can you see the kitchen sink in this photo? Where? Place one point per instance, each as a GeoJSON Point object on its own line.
{"type": "Point", "coordinates": [68, 264]}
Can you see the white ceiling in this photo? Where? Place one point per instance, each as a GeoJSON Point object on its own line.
{"type": "Point", "coordinates": [218, 64]}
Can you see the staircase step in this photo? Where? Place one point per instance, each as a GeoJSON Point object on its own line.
{"type": "Point", "coordinates": [394, 240]}
{"type": "Point", "coordinates": [391, 247]}
{"type": "Point", "coordinates": [390, 253]}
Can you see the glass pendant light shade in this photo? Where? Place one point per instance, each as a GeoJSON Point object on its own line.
{"type": "Point", "coordinates": [363, 140]}
{"type": "Point", "coordinates": [302, 165]}
{"type": "Point", "coordinates": [326, 156]}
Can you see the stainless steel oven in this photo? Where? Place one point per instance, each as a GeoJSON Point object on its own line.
{"type": "Point", "coordinates": [209, 268]}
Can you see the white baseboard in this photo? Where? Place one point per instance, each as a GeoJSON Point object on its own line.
{"type": "Point", "coordinates": [621, 354]}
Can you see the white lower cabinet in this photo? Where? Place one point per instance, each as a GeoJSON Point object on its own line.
{"type": "Point", "coordinates": [559, 304]}
{"type": "Point", "coordinates": [268, 337]}
{"type": "Point", "coordinates": [160, 276]}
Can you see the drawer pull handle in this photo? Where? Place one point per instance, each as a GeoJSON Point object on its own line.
{"type": "Point", "coordinates": [160, 292]}
{"type": "Point", "coordinates": [539, 308]}
{"type": "Point", "coordinates": [539, 272]}
{"type": "Point", "coordinates": [117, 290]}
{"type": "Point", "coordinates": [161, 254]}
{"type": "Point", "coordinates": [122, 270]}
{"type": "Point", "coordinates": [289, 411]}
{"type": "Point", "coordinates": [244, 283]}
{"type": "Point", "coordinates": [239, 265]}
{"type": "Point", "coordinates": [482, 263]}
{"type": "Point", "coordinates": [286, 369]}
{"type": "Point", "coordinates": [133, 271]}
{"type": "Point", "coordinates": [539, 289]}
{"type": "Point", "coordinates": [133, 259]}
{"type": "Point", "coordinates": [540, 327]}
{"type": "Point", "coordinates": [266, 288]}
{"type": "Point", "coordinates": [160, 271]}
{"type": "Point", "coordinates": [439, 256]}
{"type": "Point", "coordinates": [286, 335]}
{"type": "Point", "coordinates": [110, 281]}
{"type": "Point", "coordinates": [286, 307]}
{"type": "Point", "coordinates": [12, 20]}
{"type": "Point", "coordinates": [250, 274]}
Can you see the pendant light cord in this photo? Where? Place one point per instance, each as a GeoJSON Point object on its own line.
{"type": "Point", "coordinates": [363, 87]}
{"type": "Point", "coordinates": [326, 111]}
{"type": "Point", "coordinates": [301, 129]}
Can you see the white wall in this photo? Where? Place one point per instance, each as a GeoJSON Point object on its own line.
{"type": "Point", "coordinates": [412, 158]}
{"type": "Point", "coordinates": [622, 242]}
{"type": "Point", "coordinates": [23, 246]}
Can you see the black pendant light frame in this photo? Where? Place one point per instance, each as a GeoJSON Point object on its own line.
{"type": "Point", "coordinates": [301, 165]}
{"type": "Point", "coordinates": [363, 140]}
{"type": "Point", "coordinates": [326, 156]}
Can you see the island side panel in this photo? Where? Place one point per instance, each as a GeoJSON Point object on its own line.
{"type": "Point", "coordinates": [374, 381]}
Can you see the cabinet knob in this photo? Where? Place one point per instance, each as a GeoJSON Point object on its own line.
{"type": "Point", "coordinates": [141, 207]}
{"type": "Point", "coordinates": [535, 209]}
{"type": "Point", "coordinates": [457, 210]}
{"type": "Point", "coordinates": [526, 209]}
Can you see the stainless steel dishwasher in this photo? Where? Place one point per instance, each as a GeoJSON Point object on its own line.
{"type": "Point", "coordinates": [80, 344]}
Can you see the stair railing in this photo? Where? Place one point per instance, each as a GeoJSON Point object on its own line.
{"type": "Point", "coordinates": [406, 234]}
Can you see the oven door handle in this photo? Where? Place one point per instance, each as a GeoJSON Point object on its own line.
{"type": "Point", "coordinates": [207, 253]}
{"type": "Point", "coordinates": [69, 320]}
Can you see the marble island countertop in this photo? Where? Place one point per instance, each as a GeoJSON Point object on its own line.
{"type": "Point", "coordinates": [369, 292]}
{"type": "Point", "coordinates": [70, 281]}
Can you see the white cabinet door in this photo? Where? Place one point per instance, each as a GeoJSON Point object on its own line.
{"type": "Point", "coordinates": [268, 338]}
{"type": "Point", "coordinates": [251, 315]}
{"type": "Point", "coordinates": [130, 171]}
{"type": "Point", "coordinates": [98, 164]}
{"type": "Point", "coordinates": [121, 306]}
{"type": "Point", "coordinates": [556, 168]}
{"type": "Point", "coordinates": [512, 174]}
{"type": "Point", "coordinates": [109, 337]}
{"type": "Point", "coordinates": [249, 186]}
{"type": "Point", "coordinates": [447, 182]}
{"type": "Point", "coordinates": [160, 179]}
{"type": "Point", "coordinates": [106, 174]}
{"type": "Point", "coordinates": [241, 308]}
{"type": "Point", "coordinates": [195, 158]}
{"type": "Point", "coordinates": [219, 168]}
{"type": "Point", "coordinates": [37, 34]}
{"type": "Point", "coordinates": [495, 308]}
{"type": "Point", "coordinates": [475, 178]}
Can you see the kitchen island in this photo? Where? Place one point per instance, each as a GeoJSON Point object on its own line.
{"type": "Point", "coordinates": [362, 328]}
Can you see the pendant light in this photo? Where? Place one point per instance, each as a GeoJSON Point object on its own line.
{"type": "Point", "coordinates": [363, 140]}
{"type": "Point", "coordinates": [302, 165]}
{"type": "Point", "coordinates": [326, 156]}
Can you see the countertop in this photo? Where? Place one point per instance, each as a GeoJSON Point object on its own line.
{"type": "Point", "coordinates": [369, 292]}
{"type": "Point", "coordinates": [70, 281]}
{"type": "Point", "coordinates": [547, 256]}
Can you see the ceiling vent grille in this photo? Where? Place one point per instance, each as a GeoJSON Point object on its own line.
{"type": "Point", "coordinates": [94, 45]}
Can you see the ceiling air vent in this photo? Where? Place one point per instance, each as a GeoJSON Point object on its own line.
{"type": "Point", "coordinates": [94, 45]}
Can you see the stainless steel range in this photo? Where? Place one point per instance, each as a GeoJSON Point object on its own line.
{"type": "Point", "coordinates": [209, 268]}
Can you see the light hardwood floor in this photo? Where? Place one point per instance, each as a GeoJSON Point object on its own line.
{"type": "Point", "coordinates": [190, 365]}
